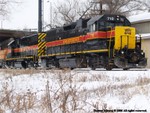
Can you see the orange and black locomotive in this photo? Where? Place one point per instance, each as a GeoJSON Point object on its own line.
{"type": "Point", "coordinates": [104, 41]}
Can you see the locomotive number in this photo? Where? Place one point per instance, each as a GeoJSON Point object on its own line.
{"type": "Point", "coordinates": [110, 18]}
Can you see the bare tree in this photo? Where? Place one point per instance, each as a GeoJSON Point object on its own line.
{"type": "Point", "coordinates": [6, 6]}
{"type": "Point", "coordinates": [71, 10]}
{"type": "Point", "coordinates": [124, 7]}
{"type": "Point", "coordinates": [147, 4]}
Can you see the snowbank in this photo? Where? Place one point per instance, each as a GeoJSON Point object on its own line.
{"type": "Point", "coordinates": [83, 91]}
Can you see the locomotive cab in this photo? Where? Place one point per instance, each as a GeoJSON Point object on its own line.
{"type": "Point", "coordinates": [105, 22]}
{"type": "Point", "coordinates": [124, 50]}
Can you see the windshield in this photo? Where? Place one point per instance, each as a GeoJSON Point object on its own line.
{"type": "Point", "coordinates": [112, 24]}
{"type": "Point", "coordinates": [104, 25]}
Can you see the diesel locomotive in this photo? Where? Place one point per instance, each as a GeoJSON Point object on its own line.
{"type": "Point", "coordinates": [104, 41]}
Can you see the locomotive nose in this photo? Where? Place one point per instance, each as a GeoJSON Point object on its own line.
{"type": "Point", "coordinates": [124, 36]}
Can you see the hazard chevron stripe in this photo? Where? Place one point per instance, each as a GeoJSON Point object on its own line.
{"type": "Point", "coordinates": [41, 44]}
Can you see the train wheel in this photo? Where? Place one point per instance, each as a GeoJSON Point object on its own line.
{"type": "Point", "coordinates": [9, 64]}
{"type": "Point", "coordinates": [126, 68]}
{"type": "Point", "coordinates": [24, 64]}
{"type": "Point", "coordinates": [109, 67]}
{"type": "Point", "coordinates": [81, 62]}
{"type": "Point", "coordinates": [71, 68]}
{"type": "Point", "coordinates": [93, 67]}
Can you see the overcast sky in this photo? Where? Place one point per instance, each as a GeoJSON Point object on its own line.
{"type": "Point", "coordinates": [25, 15]}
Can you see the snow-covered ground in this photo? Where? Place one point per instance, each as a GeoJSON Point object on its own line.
{"type": "Point", "coordinates": [77, 91]}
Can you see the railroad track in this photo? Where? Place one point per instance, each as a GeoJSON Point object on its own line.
{"type": "Point", "coordinates": [115, 69]}
{"type": "Point", "coordinates": [77, 69]}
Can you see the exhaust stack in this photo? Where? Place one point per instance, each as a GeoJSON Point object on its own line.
{"type": "Point", "coordinates": [40, 16]}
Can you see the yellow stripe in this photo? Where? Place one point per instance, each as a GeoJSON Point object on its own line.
{"type": "Point", "coordinates": [42, 52]}
{"type": "Point", "coordinates": [103, 50]}
{"type": "Point", "coordinates": [41, 40]}
{"type": "Point", "coordinates": [41, 44]}
{"type": "Point", "coordinates": [43, 35]}
{"type": "Point", "coordinates": [40, 34]}
{"type": "Point", "coordinates": [39, 51]}
{"type": "Point", "coordinates": [43, 48]}
{"type": "Point", "coordinates": [78, 52]}
{"type": "Point", "coordinates": [19, 58]}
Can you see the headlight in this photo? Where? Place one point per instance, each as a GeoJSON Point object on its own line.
{"type": "Point", "coordinates": [122, 52]}
{"type": "Point", "coordinates": [142, 53]}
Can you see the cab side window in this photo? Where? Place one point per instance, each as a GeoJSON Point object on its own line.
{"type": "Point", "coordinates": [92, 27]}
{"type": "Point", "coordinates": [101, 25]}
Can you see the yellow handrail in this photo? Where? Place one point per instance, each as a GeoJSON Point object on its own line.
{"type": "Point", "coordinates": [110, 41]}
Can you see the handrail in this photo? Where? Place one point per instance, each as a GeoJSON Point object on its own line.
{"type": "Point", "coordinates": [110, 41]}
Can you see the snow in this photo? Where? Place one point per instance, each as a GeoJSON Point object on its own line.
{"type": "Point", "coordinates": [139, 18]}
{"type": "Point", "coordinates": [115, 89]}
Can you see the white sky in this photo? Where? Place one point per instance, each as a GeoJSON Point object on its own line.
{"type": "Point", "coordinates": [25, 15]}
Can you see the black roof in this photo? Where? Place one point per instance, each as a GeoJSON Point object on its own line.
{"type": "Point", "coordinates": [94, 19]}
